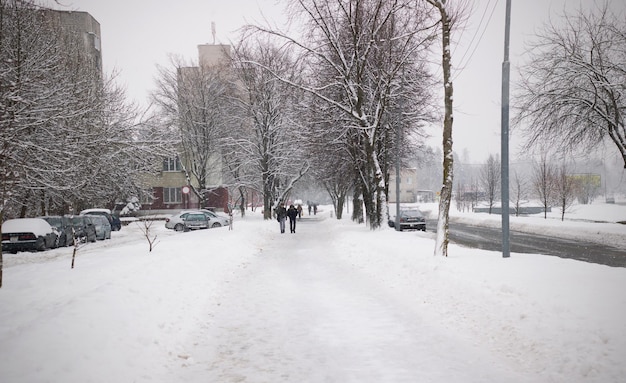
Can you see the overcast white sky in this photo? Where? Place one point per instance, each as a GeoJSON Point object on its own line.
{"type": "Point", "coordinates": [139, 34]}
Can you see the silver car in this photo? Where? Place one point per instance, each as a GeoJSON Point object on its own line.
{"type": "Point", "coordinates": [216, 220]}
{"type": "Point", "coordinates": [176, 221]}
{"type": "Point", "coordinates": [195, 221]}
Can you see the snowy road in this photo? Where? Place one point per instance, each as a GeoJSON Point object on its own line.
{"type": "Point", "coordinates": [299, 313]}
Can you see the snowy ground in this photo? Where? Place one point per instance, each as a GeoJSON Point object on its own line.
{"type": "Point", "coordinates": [334, 302]}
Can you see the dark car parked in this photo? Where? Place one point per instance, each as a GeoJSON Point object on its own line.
{"type": "Point", "coordinates": [84, 230]}
{"type": "Point", "coordinates": [409, 219]}
{"type": "Point", "coordinates": [63, 227]}
{"type": "Point", "coordinates": [27, 234]}
{"type": "Point", "coordinates": [114, 221]}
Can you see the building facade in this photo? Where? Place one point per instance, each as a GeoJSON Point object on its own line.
{"type": "Point", "coordinates": [83, 25]}
{"type": "Point", "coordinates": [173, 188]}
{"type": "Point", "coordinates": [408, 186]}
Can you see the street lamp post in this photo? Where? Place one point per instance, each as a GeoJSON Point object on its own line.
{"type": "Point", "coordinates": [504, 171]}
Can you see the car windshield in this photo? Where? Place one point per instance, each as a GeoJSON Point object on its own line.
{"type": "Point", "coordinates": [54, 221]}
{"type": "Point", "coordinates": [411, 213]}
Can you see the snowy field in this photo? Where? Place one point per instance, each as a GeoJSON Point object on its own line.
{"type": "Point", "coordinates": [334, 302]}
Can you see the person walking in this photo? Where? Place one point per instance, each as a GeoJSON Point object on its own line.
{"type": "Point", "coordinates": [281, 216]}
{"type": "Point", "coordinates": [292, 213]}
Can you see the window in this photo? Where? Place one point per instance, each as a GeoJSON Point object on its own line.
{"type": "Point", "coordinates": [171, 164]}
{"type": "Point", "coordinates": [147, 197]}
{"type": "Point", "coordinates": [172, 195]}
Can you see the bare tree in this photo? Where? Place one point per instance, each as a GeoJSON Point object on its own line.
{"type": "Point", "coordinates": [360, 47]}
{"type": "Point", "coordinates": [67, 136]}
{"type": "Point", "coordinates": [194, 101]}
{"type": "Point", "coordinates": [518, 192]}
{"type": "Point", "coordinates": [449, 16]}
{"type": "Point", "coordinates": [490, 179]}
{"type": "Point", "coordinates": [564, 189]}
{"type": "Point", "coordinates": [265, 146]}
{"type": "Point", "coordinates": [543, 183]}
{"type": "Point", "coordinates": [573, 87]}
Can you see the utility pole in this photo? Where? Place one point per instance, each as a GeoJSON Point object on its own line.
{"type": "Point", "coordinates": [397, 220]}
{"type": "Point", "coordinates": [506, 69]}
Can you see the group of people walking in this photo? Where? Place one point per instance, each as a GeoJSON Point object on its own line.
{"type": "Point", "coordinates": [292, 213]}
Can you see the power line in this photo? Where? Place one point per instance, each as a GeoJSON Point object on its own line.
{"type": "Point", "coordinates": [462, 66]}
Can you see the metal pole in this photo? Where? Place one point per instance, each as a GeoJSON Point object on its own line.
{"type": "Point", "coordinates": [506, 69]}
{"type": "Point", "coordinates": [397, 221]}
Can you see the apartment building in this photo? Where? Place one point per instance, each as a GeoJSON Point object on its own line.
{"type": "Point", "coordinates": [408, 185]}
{"type": "Point", "coordinates": [173, 187]}
{"type": "Point", "coordinates": [81, 24]}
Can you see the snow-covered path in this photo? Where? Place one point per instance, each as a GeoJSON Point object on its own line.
{"type": "Point", "coordinates": [299, 313]}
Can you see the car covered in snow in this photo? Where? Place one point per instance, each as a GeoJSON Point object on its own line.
{"type": "Point", "coordinates": [28, 234]}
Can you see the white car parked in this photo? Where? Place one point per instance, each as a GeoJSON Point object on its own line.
{"type": "Point", "coordinates": [176, 221]}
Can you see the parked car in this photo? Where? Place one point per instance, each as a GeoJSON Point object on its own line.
{"type": "Point", "coordinates": [102, 225]}
{"type": "Point", "coordinates": [63, 227]}
{"type": "Point", "coordinates": [114, 221]}
{"type": "Point", "coordinates": [195, 221]}
{"type": "Point", "coordinates": [409, 219]}
{"type": "Point", "coordinates": [215, 219]}
{"type": "Point", "coordinates": [177, 221]}
{"type": "Point", "coordinates": [27, 234]}
{"type": "Point", "coordinates": [84, 230]}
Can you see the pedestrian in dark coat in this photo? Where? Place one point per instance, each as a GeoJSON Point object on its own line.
{"type": "Point", "coordinates": [281, 216]}
{"type": "Point", "coordinates": [292, 213]}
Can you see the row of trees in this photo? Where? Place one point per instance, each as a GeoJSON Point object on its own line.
{"type": "Point", "coordinates": [352, 92]}
{"type": "Point", "coordinates": [342, 102]}
{"type": "Point", "coordinates": [550, 184]}
{"type": "Point", "coordinates": [68, 137]}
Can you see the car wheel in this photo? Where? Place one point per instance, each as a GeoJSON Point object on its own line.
{"type": "Point", "coordinates": [216, 224]}
{"type": "Point", "coordinates": [179, 227]}
{"type": "Point", "coordinates": [41, 244]}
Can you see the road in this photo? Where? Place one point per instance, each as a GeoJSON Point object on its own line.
{"type": "Point", "coordinates": [489, 238]}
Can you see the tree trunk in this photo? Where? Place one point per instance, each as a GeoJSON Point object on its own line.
{"type": "Point", "coordinates": [242, 206]}
{"type": "Point", "coordinates": [357, 204]}
{"type": "Point", "coordinates": [441, 244]}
